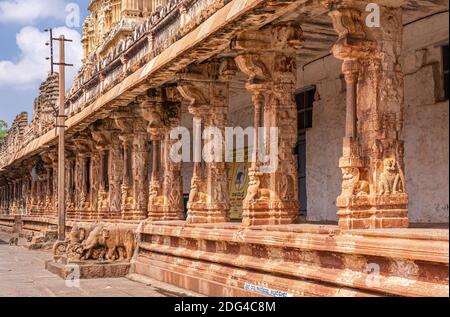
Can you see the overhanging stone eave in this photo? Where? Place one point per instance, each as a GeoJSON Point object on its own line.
{"type": "Point", "coordinates": [148, 76]}
{"type": "Point", "coordinates": [145, 77]}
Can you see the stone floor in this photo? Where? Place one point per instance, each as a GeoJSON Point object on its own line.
{"type": "Point", "coordinates": [22, 274]}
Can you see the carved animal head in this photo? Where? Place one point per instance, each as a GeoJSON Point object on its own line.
{"type": "Point", "coordinates": [349, 173]}
{"type": "Point", "coordinates": [93, 238]}
{"type": "Point", "coordinates": [390, 166]}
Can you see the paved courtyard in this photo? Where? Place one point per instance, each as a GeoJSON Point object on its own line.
{"type": "Point", "coordinates": [22, 274]}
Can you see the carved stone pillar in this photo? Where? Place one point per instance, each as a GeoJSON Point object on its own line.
{"type": "Point", "coordinates": [139, 170]}
{"type": "Point", "coordinates": [156, 198]}
{"type": "Point", "coordinates": [127, 197]}
{"type": "Point", "coordinates": [165, 194]}
{"type": "Point", "coordinates": [50, 163]}
{"type": "Point", "coordinates": [134, 144]}
{"type": "Point", "coordinates": [96, 179]}
{"type": "Point", "coordinates": [70, 190]}
{"type": "Point", "coordinates": [373, 187]}
{"type": "Point", "coordinates": [101, 137]}
{"type": "Point", "coordinates": [103, 196]}
{"type": "Point", "coordinates": [268, 58]}
{"type": "Point", "coordinates": [83, 169]}
{"type": "Point", "coordinates": [33, 195]}
{"type": "Point", "coordinates": [80, 183]}
{"type": "Point", "coordinates": [13, 197]}
{"type": "Point", "coordinates": [55, 185]}
{"type": "Point", "coordinates": [124, 121]}
{"type": "Point", "coordinates": [115, 177]}
{"type": "Point", "coordinates": [2, 200]}
{"type": "Point", "coordinates": [206, 88]}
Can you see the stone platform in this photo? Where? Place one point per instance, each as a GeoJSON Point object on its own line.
{"type": "Point", "coordinates": [89, 270]}
{"type": "Point", "coordinates": [295, 260]}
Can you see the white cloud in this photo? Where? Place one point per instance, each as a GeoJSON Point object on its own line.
{"type": "Point", "coordinates": [28, 11]}
{"type": "Point", "coordinates": [30, 67]}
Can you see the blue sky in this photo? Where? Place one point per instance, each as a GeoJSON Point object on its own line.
{"type": "Point", "coordinates": [23, 51]}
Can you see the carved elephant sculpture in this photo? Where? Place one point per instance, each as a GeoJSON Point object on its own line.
{"type": "Point", "coordinates": [118, 241]}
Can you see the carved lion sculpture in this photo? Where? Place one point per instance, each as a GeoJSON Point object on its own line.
{"type": "Point", "coordinates": [352, 183]}
{"type": "Point", "coordinates": [196, 195]}
{"type": "Point", "coordinates": [127, 199]}
{"type": "Point", "coordinates": [155, 199]}
{"type": "Point", "coordinates": [390, 179]}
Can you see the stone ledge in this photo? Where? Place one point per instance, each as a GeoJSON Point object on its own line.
{"type": "Point", "coordinates": [409, 263]}
{"type": "Point", "coordinates": [218, 280]}
{"type": "Point", "coordinates": [412, 244]}
{"type": "Point", "coordinates": [88, 270]}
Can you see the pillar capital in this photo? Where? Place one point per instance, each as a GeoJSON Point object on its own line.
{"type": "Point", "coordinates": [352, 42]}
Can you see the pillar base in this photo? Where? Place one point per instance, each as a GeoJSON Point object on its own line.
{"type": "Point", "coordinates": [134, 215]}
{"type": "Point", "coordinates": [265, 213]}
{"type": "Point", "coordinates": [373, 212]}
{"type": "Point", "coordinates": [207, 214]}
{"type": "Point", "coordinates": [161, 213]}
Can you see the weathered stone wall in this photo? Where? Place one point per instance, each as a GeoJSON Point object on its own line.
{"type": "Point", "coordinates": [426, 121]}
{"type": "Point", "coordinates": [324, 139]}
{"type": "Point", "coordinates": [425, 133]}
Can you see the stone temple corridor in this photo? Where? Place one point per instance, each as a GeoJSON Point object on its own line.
{"type": "Point", "coordinates": [336, 177]}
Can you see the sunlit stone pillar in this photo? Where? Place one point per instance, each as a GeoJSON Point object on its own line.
{"type": "Point", "coordinates": [126, 189]}
{"type": "Point", "coordinates": [103, 196]}
{"type": "Point", "coordinates": [13, 197]}
{"type": "Point", "coordinates": [373, 186]}
{"type": "Point", "coordinates": [95, 182]}
{"type": "Point", "coordinates": [206, 89]}
{"type": "Point", "coordinates": [47, 158]}
{"type": "Point", "coordinates": [33, 195]}
{"type": "Point", "coordinates": [268, 58]}
{"type": "Point", "coordinates": [165, 193]}
{"type": "Point", "coordinates": [2, 200]}
{"type": "Point", "coordinates": [69, 187]}
{"type": "Point", "coordinates": [80, 183]}
{"type": "Point", "coordinates": [55, 185]}
{"type": "Point", "coordinates": [139, 170]}
{"type": "Point", "coordinates": [115, 176]}
{"type": "Point", "coordinates": [134, 145]}
{"type": "Point", "coordinates": [83, 173]}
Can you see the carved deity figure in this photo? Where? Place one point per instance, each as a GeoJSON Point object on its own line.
{"type": "Point", "coordinates": [390, 180]}
{"type": "Point", "coordinates": [127, 199]}
{"type": "Point", "coordinates": [103, 200]}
